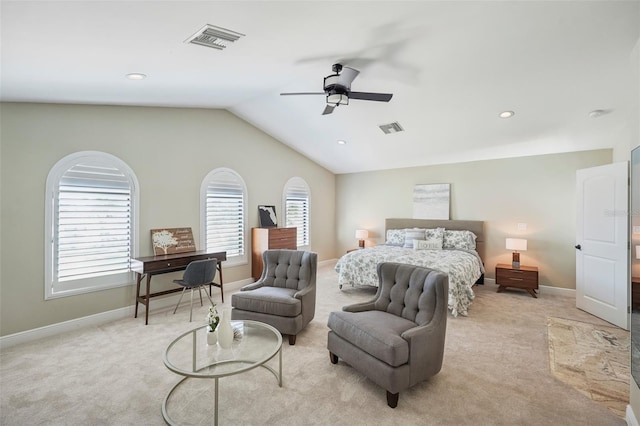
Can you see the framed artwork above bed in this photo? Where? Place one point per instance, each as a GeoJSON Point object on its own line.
{"type": "Point", "coordinates": [431, 201]}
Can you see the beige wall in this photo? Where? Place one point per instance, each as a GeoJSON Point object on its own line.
{"type": "Point", "coordinates": [538, 191]}
{"type": "Point", "coordinates": [171, 151]}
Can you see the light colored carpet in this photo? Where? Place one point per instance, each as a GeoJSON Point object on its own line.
{"type": "Point", "coordinates": [496, 372]}
{"type": "Point", "coordinates": [594, 359]}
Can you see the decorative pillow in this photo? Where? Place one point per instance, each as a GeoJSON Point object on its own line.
{"type": "Point", "coordinates": [461, 240]}
{"type": "Point", "coordinates": [427, 245]}
{"type": "Point", "coordinates": [413, 234]}
{"type": "Point", "coordinates": [395, 237]}
{"type": "Point", "coordinates": [435, 235]}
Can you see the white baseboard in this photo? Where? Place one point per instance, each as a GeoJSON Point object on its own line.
{"type": "Point", "coordinates": [546, 289]}
{"type": "Point", "coordinates": [326, 262]}
{"type": "Point", "coordinates": [101, 318]}
{"type": "Point", "coordinates": [631, 417]}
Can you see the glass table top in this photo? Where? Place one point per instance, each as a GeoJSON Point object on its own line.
{"type": "Point", "coordinates": [254, 344]}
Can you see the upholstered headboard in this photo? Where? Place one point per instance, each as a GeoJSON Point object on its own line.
{"type": "Point", "coordinates": [475, 226]}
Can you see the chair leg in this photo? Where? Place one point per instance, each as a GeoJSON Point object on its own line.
{"type": "Point", "coordinates": [392, 399]}
{"type": "Point", "coordinates": [208, 295]}
{"type": "Point", "coordinates": [333, 357]}
{"type": "Point", "coordinates": [191, 306]}
{"type": "Point", "coordinates": [179, 300]}
{"type": "Point", "coordinates": [292, 339]}
{"type": "Point", "coordinates": [200, 293]}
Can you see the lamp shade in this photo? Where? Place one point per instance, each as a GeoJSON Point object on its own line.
{"type": "Point", "coordinates": [516, 244]}
{"type": "Point", "coordinates": [362, 234]}
{"type": "Point", "coordinates": [637, 252]}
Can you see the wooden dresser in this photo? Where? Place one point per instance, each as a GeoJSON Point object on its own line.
{"type": "Point", "coordinates": [266, 239]}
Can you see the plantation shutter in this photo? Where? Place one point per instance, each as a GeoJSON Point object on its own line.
{"type": "Point", "coordinates": [93, 223]}
{"type": "Point", "coordinates": [225, 214]}
{"type": "Point", "coordinates": [297, 210]}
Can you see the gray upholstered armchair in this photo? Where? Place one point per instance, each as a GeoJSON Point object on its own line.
{"type": "Point", "coordinates": [285, 294]}
{"type": "Point", "coordinates": [397, 339]}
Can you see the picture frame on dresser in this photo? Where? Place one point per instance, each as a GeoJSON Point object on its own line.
{"type": "Point", "coordinates": [267, 216]}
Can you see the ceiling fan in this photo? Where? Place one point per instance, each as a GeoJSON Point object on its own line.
{"type": "Point", "coordinates": [337, 88]}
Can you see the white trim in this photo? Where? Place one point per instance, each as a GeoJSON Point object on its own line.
{"type": "Point", "coordinates": [103, 318]}
{"type": "Point", "coordinates": [58, 170]}
{"type": "Point", "coordinates": [232, 260]}
{"type": "Point", "coordinates": [631, 417]}
{"type": "Point", "coordinates": [546, 289]}
{"type": "Point", "coordinates": [326, 262]}
{"type": "Point", "coordinates": [298, 181]}
{"type": "Point", "coordinates": [558, 291]}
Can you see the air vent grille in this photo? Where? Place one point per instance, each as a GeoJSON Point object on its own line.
{"type": "Point", "coordinates": [214, 37]}
{"type": "Point", "coordinates": [394, 127]}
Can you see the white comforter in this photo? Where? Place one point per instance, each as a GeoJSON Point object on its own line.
{"type": "Point", "coordinates": [464, 268]}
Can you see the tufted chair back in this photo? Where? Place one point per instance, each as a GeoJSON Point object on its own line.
{"type": "Point", "coordinates": [411, 293]}
{"type": "Point", "coordinates": [289, 269]}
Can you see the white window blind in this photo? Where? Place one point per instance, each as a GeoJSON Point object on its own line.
{"type": "Point", "coordinates": [90, 224]}
{"type": "Point", "coordinates": [225, 213]}
{"type": "Point", "coordinates": [297, 209]}
{"type": "Point", "coordinates": [93, 223]}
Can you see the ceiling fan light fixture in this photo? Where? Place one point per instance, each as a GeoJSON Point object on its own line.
{"type": "Point", "coordinates": [335, 99]}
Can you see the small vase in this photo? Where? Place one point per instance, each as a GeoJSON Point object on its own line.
{"type": "Point", "coordinates": [225, 331]}
{"type": "Point", "coordinates": [212, 337]}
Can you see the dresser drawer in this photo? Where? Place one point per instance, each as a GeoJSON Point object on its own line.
{"type": "Point", "coordinates": [282, 238]}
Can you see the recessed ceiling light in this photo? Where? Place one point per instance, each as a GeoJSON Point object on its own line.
{"type": "Point", "coordinates": [599, 113]}
{"type": "Point", "coordinates": [506, 114]}
{"type": "Point", "coordinates": [341, 142]}
{"type": "Point", "coordinates": [136, 76]}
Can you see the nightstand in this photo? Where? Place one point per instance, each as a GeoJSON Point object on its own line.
{"type": "Point", "coordinates": [635, 292]}
{"type": "Point", "coordinates": [524, 277]}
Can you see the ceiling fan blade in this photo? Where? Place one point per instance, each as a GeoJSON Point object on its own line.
{"type": "Point", "coordinates": [380, 97]}
{"type": "Point", "coordinates": [328, 110]}
{"type": "Point", "coordinates": [303, 93]}
{"type": "Point", "coordinates": [347, 75]}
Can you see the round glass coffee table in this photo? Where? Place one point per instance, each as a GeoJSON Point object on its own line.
{"type": "Point", "coordinates": [189, 355]}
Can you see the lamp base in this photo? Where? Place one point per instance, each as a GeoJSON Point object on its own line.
{"type": "Point", "coordinates": [361, 244]}
{"type": "Point", "coordinates": [515, 260]}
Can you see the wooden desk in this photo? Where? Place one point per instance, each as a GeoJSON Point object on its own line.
{"type": "Point", "coordinates": [162, 264]}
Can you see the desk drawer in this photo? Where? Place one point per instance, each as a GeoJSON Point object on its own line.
{"type": "Point", "coordinates": [167, 264]}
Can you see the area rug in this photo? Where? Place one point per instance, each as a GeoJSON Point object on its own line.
{"type": "Point", "coordinates": [594, 359]}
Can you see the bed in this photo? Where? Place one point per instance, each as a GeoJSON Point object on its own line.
{"type": "Point", "coordinates": [459, 257]}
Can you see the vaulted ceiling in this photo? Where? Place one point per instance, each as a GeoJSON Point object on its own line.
{"type": "Point", "coordinates": [452, 67]}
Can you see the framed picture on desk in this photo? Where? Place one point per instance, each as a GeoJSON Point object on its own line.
{"type": "Point", "coordinates": [172, 240]}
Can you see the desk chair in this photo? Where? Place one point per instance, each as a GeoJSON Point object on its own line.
{"type": "Point", "coordinates": [198, 274]}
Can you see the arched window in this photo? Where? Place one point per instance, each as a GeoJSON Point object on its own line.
{"type": "Point", "coordinates": [223, 196]}
{"type": "Point", "coordinates": [91, 211]}
{"type": "Point", "coordinates": [296, 209]}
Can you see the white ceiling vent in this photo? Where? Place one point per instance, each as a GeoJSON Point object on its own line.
{"type": "Point", "coordinates": [215, 37]}
{"type": "Point", "coordinates": [394, 127]}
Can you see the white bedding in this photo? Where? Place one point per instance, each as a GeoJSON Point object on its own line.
{"type": "Point", "coordinates": [463, 266]}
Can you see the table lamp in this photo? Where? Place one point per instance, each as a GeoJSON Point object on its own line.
{"type": "Point", "coordinates": [361, 234]}
{"type": "Point", "coordinates": [516, 244]}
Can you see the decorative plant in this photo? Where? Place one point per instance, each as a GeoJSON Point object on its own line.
{"type": "Point", "coordinates": [213, 319]}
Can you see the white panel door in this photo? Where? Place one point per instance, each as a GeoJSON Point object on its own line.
{"type": "Point", "coordinates": [602, 277]}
